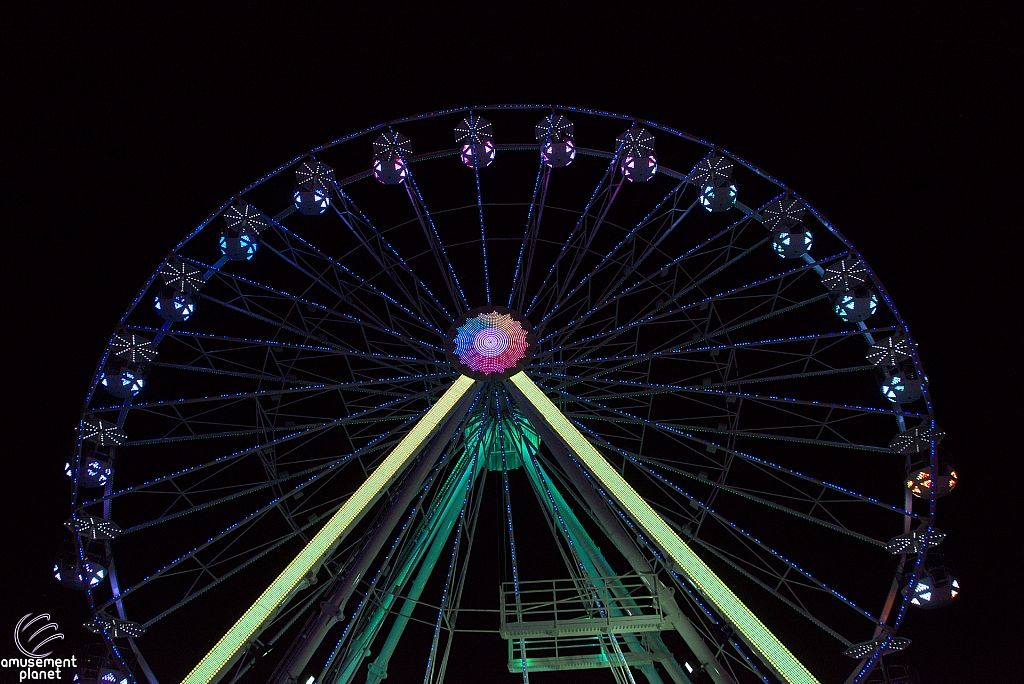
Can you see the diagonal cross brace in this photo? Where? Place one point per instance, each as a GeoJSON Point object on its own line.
{"type": "Point", "coordinates": [329, 536]}
{"type": "Point", "coordinates": [754, 632]}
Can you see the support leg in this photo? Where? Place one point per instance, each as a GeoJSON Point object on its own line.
{"type": "Point", "coordinates": [213, 665]}
{"type": "Point", "coordinates": [595, 564]}
{"type": "Point", "coordinates": [319, 625]}
{"type": "Point", "coordinates": [575, 453]}
{"type": "Point", "coordinates": [442, 511]}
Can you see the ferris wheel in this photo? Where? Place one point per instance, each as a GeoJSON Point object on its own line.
{"type": "Point", "coordinates": [691, 419]}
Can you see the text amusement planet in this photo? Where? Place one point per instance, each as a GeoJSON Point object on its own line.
{"type": "Point", "coordinates": [32, 636]}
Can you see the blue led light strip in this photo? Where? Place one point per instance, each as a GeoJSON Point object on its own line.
{"type": "Point", "coordinates": [350, 204]}
{"type": "Point", "coordinates": [483, 233]}
{"type": "Point", "coordinates": [608, 174]}
{"type": "Point", "coordinates": [560, 295]}
{"type": "Point", "coordinates": [379, 324]}
{"type": "Point", "coordinates": [695, 347]}
{"type": "Point", "coordinates": [370, 447]}
{"type": "Point", "coordinates": [748, 457]}
{"type": "Point", "coordinates": [674, 262]}
{"type": "Point", "coordinates": [642, 464]}
{"type": "Point", "coordinates": [647, 389]}
{"type": "Point", "coordinates": [289, 234]}
{"type": "Point", "coordinates": [358, 386]}
{"type": "Point", "coordinates": [663, 312]}
{"type": "Point", "coordinates": [526, 233]}
{"type": "Point", "coordinates": [636, 263]}
{"type": "Point", "coordinates": [440, 245]}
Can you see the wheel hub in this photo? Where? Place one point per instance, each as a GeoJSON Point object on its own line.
{"type": "Point", "coordinates": [490, 343]}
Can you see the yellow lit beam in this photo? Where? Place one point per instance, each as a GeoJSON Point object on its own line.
{"type": "Point", "coordinates": [754, 631]}
{"type": "Point", "coordinates": [328, 537]}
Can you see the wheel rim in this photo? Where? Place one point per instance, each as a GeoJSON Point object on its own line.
{"type": "Point", "coordinates": [333, 349]}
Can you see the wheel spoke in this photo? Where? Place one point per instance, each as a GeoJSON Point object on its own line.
{"type": "Point", "coordinates": [759, 462]}
{"type": "Point", "coordinates": [664, 214]}
{"type": "Point", "coordinates": [600, 194]}
{"type": "Point", "coordinates": [701, 394]}
{"type": "Point", "coordinates": [388, 258]}
{"type": "Point", "coordinates": [444, 266]}
{"type": "Point", "coordinates": [534, 215]}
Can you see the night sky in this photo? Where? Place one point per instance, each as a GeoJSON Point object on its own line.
{"type": "Point", "coordinates": [124, 129]}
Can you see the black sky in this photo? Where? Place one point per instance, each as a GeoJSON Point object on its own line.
{"type": "Point", "coordinates": [123, 129]}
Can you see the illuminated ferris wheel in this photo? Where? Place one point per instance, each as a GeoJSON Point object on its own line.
{"type": "Point", "coordinates": [689, 415]}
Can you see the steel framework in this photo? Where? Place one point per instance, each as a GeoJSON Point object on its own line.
{"type": "Point", "coordinates": [700, 394]}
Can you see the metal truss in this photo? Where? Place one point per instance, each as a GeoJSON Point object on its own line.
{"type": "Point", "coordinates": [699, 404]}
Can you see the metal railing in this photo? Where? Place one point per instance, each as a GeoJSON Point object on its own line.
{"type": "Point", "coordinates": [605, 605]}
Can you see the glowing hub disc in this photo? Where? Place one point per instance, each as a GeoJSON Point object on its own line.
{"type": "Point", "coordinates": [490, 343]}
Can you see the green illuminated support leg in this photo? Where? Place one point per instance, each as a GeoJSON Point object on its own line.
{"type": "Point", "coordinates": [597, 566]}
{"type": "Point", "coordinates": [415, 549]}
{"type": "Point", "coordinates": [314, 631]}
{"type": "Point", "coordinates": [212, 666]}
{"type": "Point", "coordinates": [440, 527]}
{"type": "Point", "coordinates": [613, 530]}
{"type": "Point", "coordinates": [748, 626]}
{"type": "Point", "coordinates": [585, 547]}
